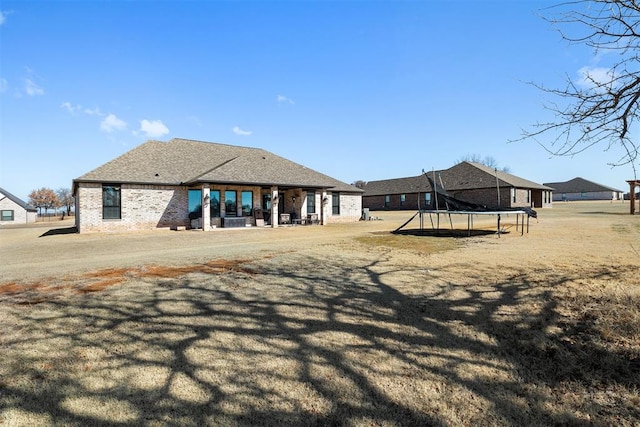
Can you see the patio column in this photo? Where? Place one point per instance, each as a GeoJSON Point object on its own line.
{"type": "Point", "coordinates": [206, 208]}
{"type": "Point", "coordinates": [632, 195]}
{"type": "Point", "coordinates": [274, 206]}
{"type": "Point", "coordinates": [324, 210]}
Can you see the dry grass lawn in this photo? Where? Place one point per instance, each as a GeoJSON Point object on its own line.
{"type": "Point", "coordinates": [336, 325]}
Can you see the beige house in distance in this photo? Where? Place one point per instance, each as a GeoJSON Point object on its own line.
{"type": "Point", "coordinates": [193, 184]}
{"type": "Point", "coordinates": [582, 189]}
{"type": "Point", "coordinates": [15, 211]}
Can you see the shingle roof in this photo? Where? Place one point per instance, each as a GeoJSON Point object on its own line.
{"type": "Point", "coordinates": [579, 185]}
{"type": "Point", "coordinates": [17, 200]}
{"type": "Point", "coordinates": [463, 176]}
{"type": "Point", "coordinates": [183, 161]}
{"type": "Point", "coordinates": [470, 175]}
{"type": "Point", "coordinates": [412, 184]}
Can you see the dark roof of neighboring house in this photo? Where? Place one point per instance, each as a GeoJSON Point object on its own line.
{"type": "Point", "coordinates": [16, 200]}
{"type": "Point", "coordinates": [469, 176]}
{"type": "Point", "coordinates": [579, 185]}
{"type": "Point", "coordinates": [463, 176]}
{"type": "Point", "coordinates": [184, 162]}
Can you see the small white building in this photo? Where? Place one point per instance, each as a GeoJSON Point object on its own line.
{"type": "Point", "coordinates": [15, 211]}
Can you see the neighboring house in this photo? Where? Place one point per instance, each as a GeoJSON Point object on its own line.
{"type": "Point", "coordinates": [471, 182]}
{"type": "Point", "coordinates": [15, 211]}
{"type": "Point", "coordinates": [195, 184]}
{"type": "Point", "coordinates": [581, 189]}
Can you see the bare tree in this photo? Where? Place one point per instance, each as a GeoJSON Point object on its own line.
{"type": "Point", "coordinates": [65, 198]}
{"type": "Point", "coordinates": [44, 198]}
{"type": "Point", "coordinates": [359, 183]}
{"type": "Point", "coordinates": [486, 160]}
{"type": "Point", "coordinates": [602, 106]}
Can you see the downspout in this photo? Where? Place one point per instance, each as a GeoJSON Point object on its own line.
{"type": "Point", "coordinates": [498, 187]}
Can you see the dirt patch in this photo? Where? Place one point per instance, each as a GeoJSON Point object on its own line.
{"type": "Point", "coordinates": [97, 281]}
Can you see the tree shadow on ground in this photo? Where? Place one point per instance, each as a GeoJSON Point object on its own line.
{"type": "Point", "coordinates": [300, 340]}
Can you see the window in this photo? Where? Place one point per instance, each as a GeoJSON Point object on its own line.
{"type": "Point", "coordinates": [195, 204]}
{"type": "Point", "coordinates": [311, 202]}
{"type": "Point", "coordinates": [335, 203]}
{"type": "Point", "coordinates": [386, 201]}
{"type": "Point", "coordinates": [427, 199]}
{"type": "Point", "coordinates": [247, 203]}
{"type": "Point", "coordinates": [513, 195]}
{"type": "Point", "coordinates": [528, 196]}
{"type": "Point", "coordinates": [403, 198]}
{"type": "Point", "coordinates": [266, 202]}
{"type": "Point", "coordinates": [6, 215]}
{"type": "Point", "coordinates": [214, 196]}
{"type": "Point", "coordinates": [111, 202]}
{"type": "Point", "coordinates": [230, 206]}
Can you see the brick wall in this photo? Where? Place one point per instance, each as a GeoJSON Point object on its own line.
{"type": "Point", "coordinates": [142, 207]}
{"type": "Point", "coordinates": [350, 208]}
{"type": "Point", "coordinates": [395, 202]}
{"type": "Point", "coordinates": [146, 207]}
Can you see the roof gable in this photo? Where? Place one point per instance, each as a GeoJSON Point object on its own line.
{"type": "Point", "coordinates": [182, 161]}
{"type": "Point", "coordinates": [579, 185]}
{"type": "Point", "coordinates": [16, 200]}
{"type": "Point", "coordinates": [471, 175]}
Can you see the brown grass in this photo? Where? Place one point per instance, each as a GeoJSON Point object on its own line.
{"type": "Point", "coordinates": [372, 329]}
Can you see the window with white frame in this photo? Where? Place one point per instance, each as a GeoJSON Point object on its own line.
{"type": "Point", "coordinates": [311, 202]}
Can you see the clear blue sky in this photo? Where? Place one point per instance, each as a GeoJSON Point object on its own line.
{"type": "Point", "coordinates": [359, 90]}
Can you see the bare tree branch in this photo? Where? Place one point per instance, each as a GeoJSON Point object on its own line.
{"type": "Point", "coordinates": [603, 108]}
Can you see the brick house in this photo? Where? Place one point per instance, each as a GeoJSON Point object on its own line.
{"type": "Point", "coordinates": [471, 182]}
{"type": "Point", "coordinates": [14, 211]}
{"type": "Point", "coordinates": [582, 189]}
{"type": "Point", "coordinates": [195, 184]}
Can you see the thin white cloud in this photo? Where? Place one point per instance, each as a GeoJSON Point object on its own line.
{"type": "Point", "coordinates": [112, 123]}
{"type": "Point", "coordinates": [93, 112]}
{"type": "Point", "coordinates": [592, 77]}
{"type": "Point", "coordinates": [77, 108]}
{"type": "Point", "coordinates": [3, 16]}
{"type": "Point", "coordinates": [72, 109]}
{"type": "Point", "coordinates": [153, 128]}
{"type": "Point", "coordinates": [239, 131]}
{"type": "Point", "coordinates": [4, 85]}
{"type": "Point", "coordinates": [31, 88]}
{"type": "Point", "coordinates": [284, 100]}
